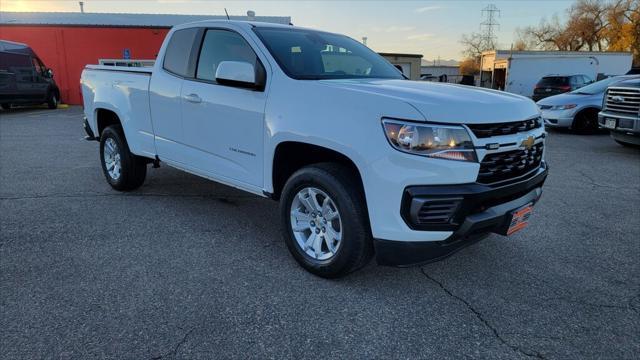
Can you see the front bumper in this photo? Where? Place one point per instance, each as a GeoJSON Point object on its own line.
{"type": "Point", "coordinates": [558, 118]}
{"type": "Point", "coordinates": [481, 210]}
{"type": "Point", "coordinates": [624, 123]}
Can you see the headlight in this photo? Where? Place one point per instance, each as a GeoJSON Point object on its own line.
{"type": "Point", "coordinates": [436, 141]}
{"type": "Point", "coordinates": [563, 107]}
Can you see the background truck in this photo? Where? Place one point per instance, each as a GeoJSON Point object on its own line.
{"type": "Point", "coordinates": [362, 160]}
{"type": "Point", "coordinates": [621, 112]}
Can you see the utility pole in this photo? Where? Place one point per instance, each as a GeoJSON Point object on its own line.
{"type": "Point", "coordinates": [489, 25]}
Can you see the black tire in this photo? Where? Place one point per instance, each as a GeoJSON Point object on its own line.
{"type": "Point", "coordinates": [133, 169]}
{"type": "Point", "coordinates": [5, 106]}
{"type": "Point", "coordinates": [586, 122]}
{"type": "Point", "coordinates": [52, 100]}
{"type": "Point", "coordinates": [339, 183]}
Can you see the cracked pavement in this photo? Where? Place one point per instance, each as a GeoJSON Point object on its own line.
{"type": "Point", "coordinates": [185, 268]}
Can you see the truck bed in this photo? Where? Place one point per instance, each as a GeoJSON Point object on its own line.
{"type": "Point", "coordinates": [124, 91]}
{"type": "Point", "coordinates": [133, 69]}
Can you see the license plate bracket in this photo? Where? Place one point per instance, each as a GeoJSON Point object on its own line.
{"type": "Point", "coordinates": [610, 123]}
{"type": "Point", "coordinates": [517, 220]}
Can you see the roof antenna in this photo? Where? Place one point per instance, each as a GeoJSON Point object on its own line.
{"type": "Point", "coordinates": [225, 11]}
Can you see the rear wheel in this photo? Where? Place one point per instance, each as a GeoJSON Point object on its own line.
{"type": "Point", "coordinates": [586, 122]}
{"type": "Point", "coordinates": [324, 220]}
{"type": "Point", "coordinates": [123, 170]}
{"type": "Point", "coordinates": [52, 100]}
{"type": "Point", "coordinates": [5, 106]}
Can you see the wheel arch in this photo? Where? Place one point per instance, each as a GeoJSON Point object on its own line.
{"type": "Point", "coordinates": [105, 117]}
{"type": "Point", "coordinates": [289, 156]}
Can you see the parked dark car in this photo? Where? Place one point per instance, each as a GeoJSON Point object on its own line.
{"type": "Point", "coordinates": [558, 84]}
{"type": "Point", "coordinates": [621, 112]}
{"type": "Point", "coordinates": [24, 79]}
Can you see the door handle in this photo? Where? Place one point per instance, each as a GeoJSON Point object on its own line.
{"type": "Point", "coordinates": [194, 98]}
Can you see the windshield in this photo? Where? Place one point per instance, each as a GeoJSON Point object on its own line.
{"type": "Point", "coordinates": [597, 87]}
{"type": "Point", "coordinates": [313, 55]}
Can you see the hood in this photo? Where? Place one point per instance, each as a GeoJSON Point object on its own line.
{"type": "Point", "coordinates": [448, 103]}
{"type": "Point", "coordinates": [568, 98]}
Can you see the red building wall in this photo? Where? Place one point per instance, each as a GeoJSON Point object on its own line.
{"type": "Point", "coordinates": [67, 49]}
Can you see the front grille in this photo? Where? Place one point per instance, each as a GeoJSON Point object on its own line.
{"type": "Point", "coordinates": [506, 165]}
{"type": "Point", "coordinates": [435, 212]}
{"type": "Point", "coordinates": [623, 100]}
{"type": "Point", "coordinates": [497, 129]}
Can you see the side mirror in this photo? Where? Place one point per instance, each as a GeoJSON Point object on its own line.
{"type": "Point", "coordinates": [237, 73]}
{"type": "Point", "coordinates": [48, 73]}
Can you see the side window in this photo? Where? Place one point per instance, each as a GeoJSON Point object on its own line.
{"type": "Point", "coordinates": [18, 64]}
{"type": "Point", "coordinates": [37, 65]}
{"type": "Point", "coordinates": [573, 81]}
{"type": "Point", "coordinates": [178, 54]}
{"type": "Point", "coordinates": [586, 79]}
{"type": "Point", "coordinates": [222, 45]}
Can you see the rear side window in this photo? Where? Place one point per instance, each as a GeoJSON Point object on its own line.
{"type": "Point", "coordinates": [178, 55]}
{"type": "Point", "coordinates": [14, 62]}
{"type": "Point", "coordinates": [219, 46]}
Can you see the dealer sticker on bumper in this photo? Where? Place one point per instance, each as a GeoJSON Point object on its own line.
{"type": "Point", "coordinates": [520, 219]}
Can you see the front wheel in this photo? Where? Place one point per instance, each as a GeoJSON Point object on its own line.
{"type": "Point", "coordinates": [123, 170]}
{"type": "Point", "coordinates": [324, 220]}
{"type": "Point", "coordinates": [586, 122]}
{"type": "Point", "coordinates": [52, 100]}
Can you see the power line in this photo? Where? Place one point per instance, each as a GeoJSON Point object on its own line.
{"type": "Point", "coordinates": [489, 25]}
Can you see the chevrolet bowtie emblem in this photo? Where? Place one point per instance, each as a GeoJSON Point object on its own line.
{"type": "Point", "coordinates": [527, 143]}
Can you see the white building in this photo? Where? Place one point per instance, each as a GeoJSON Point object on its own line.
{"type": "Point", "coordinates": [519, 71]}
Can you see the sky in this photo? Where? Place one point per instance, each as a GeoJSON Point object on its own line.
{"type": "Point", "coordinates": [430, 28]}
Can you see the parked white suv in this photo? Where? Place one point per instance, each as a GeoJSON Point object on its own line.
{"type": "Point", "coordinates": [362, 160]}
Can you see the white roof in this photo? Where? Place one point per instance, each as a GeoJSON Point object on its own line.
{"type": "Point", "coordinates": [120, 19]}
{"type": "Point", "coordinates": [553, 53]}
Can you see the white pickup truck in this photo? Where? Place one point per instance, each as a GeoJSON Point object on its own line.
{"type": "Point", "coordinates": [363, 161]}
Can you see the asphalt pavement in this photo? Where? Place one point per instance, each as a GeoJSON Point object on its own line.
{"type": "Point", "coordinates": [189, 269]}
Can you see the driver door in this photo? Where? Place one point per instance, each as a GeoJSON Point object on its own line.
{"type": "Point", "coordinates": [224, 125]}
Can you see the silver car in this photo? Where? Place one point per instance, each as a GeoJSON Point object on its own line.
{"type": "Point", "coordinates": [578, 109]}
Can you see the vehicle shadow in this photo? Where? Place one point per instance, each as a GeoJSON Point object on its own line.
{"type": "Point", "coordinates": [32, 108]}
{"type": "Point", "coordinates": [257, 224]}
